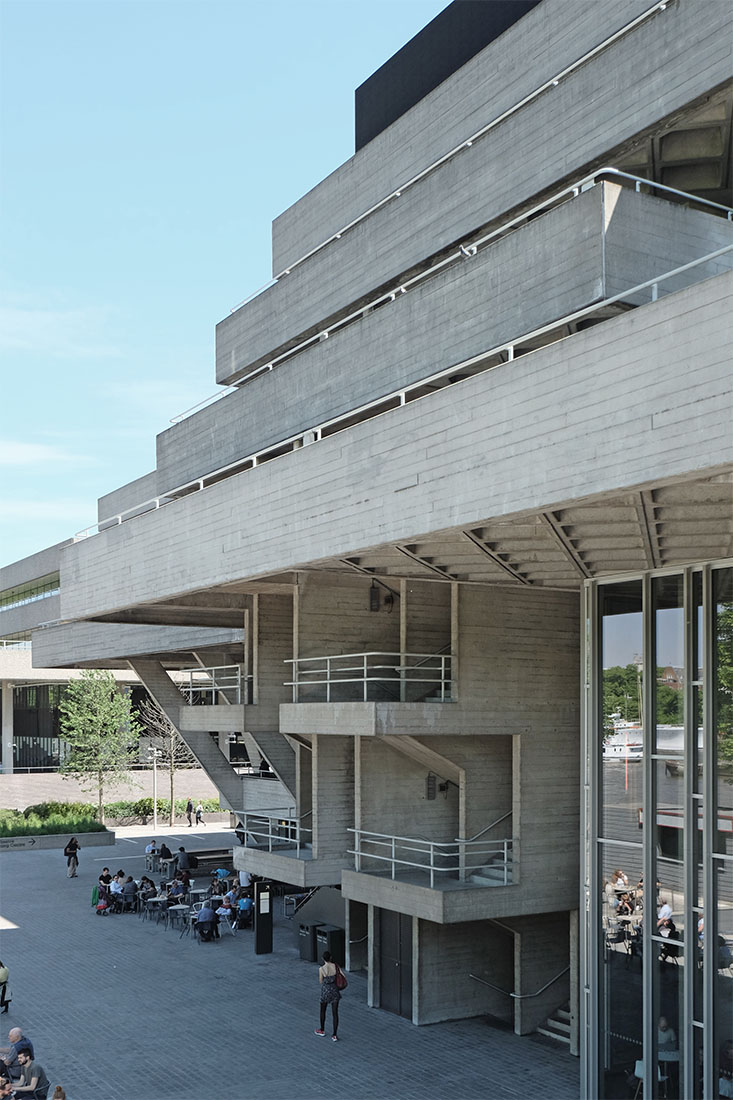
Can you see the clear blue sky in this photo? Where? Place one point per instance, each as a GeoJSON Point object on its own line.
{"type": "Point", "coordinates": [146, 148]}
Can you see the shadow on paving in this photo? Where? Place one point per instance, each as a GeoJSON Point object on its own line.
{"type": "Point", "coordinates": [124, 1009]}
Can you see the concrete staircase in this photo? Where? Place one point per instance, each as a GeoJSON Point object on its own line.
{"type": "Point", "coordinates": [280, 755]}
{"type": "Point", "coordinates": [492, 873]}
{"type": "Point", "coordinates": [273, 746]}
{"type": "Point", "coordinates": [207, 752]}
{"type": "Point", "coordinates": [558, 1025]}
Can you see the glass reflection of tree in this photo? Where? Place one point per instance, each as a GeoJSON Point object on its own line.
{"type": "Point", "coordinates": [724, 682]}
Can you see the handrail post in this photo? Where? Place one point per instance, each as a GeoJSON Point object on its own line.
{"type": "Point", "coordinates": [365, 663]}
{"type": "Point", "coordinates": [393, 856]}
{"type": "Point", "coordinates": [328, 679]}
{"type": "Point", "coordinates": [403, 677]}
{"type": "Point", "coordinates": [432, 865]}
{"type": "Point", "coordinates": [357, 853]}
{"type": "Point", "coordinates": [506, 862]}
{"type": "Point", "coordinates": [462, 860]}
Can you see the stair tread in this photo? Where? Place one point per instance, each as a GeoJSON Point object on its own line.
{"type": "Point", "coordinates": [554, 1035]}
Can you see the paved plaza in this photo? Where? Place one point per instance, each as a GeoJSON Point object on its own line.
{"type": "Point", "coordinates": [123, 1009]}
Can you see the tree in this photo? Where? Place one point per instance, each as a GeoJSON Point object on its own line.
{"type": "Point", "coordinates": [102, 733]}
{"type": "Point", "coordinates": [166, 740]}
{"type": "Point", "coordinates": [724, 682]}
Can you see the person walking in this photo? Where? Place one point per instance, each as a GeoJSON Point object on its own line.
{"type": "Point", "coordinates": [199, 814]}
{"type": "Point", "coordinates": [328, 975]}
{"type": "Point", "coordinates": [189, 811]}
{"type": "Point", "coordinates": [5, 994]}
{"type": "Point", "coordinates": [71, 851]}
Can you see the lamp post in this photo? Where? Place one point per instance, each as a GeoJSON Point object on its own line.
{"type": "Point", "coordinates": [154, 754]}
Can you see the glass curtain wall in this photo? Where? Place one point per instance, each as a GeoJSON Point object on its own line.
{"type": "Point", "coordinates": [658, 836]}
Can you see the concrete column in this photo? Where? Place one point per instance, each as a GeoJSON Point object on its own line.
{"type": "Point", "coordinates": [574, 984]}
{"type": "Point", "coordinates": [7, 726]}
{"type": "Point", "coordinates": [373, 991]}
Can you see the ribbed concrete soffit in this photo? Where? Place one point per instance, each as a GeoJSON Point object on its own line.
{"type": "Point", "coordinates": [559, 548]}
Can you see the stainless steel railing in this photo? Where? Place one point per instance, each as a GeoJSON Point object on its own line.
{"type": "Point", "coordinates": [370, 677]}
{"type": "Point", "coordinates": [458, 859]}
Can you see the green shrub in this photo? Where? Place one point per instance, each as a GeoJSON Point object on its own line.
{"type": "Point", "coordinates": [14, 823]}
{"type": "Point", "coordinates": [44, 810]}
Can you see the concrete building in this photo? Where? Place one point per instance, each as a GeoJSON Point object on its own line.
{"type": "Point", "coordinates": [32, 739]}
{"type": "Point", "coordinates": [477, 451]}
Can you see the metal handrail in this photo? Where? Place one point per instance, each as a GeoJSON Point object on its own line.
{"type": "Point", "coordinates": [443, 850]}
{"type": "Point", "coordinates": [366, 653]}
{"type": "Point", "coordinates": [390, 401]}
{"type": "Point", "coordinates": [331, 672]}
{"type": "Point", "coordinates": [525, 996]}
{"type": "Point", "coordinates": [491, 826]}
{"type": "Point", "coordinates": [465, 143]}
{"type": "Point", "coordinates": [520, 996]}
{"type": "Point", "coordinates": [288, 832]}
{"type": "Point", "coordinates": [491, 985]}
{"type": "Point", "coordinates": [219, 679]}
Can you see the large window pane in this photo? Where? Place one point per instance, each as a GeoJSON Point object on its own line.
{"type": "Point", "coordinates": [622, 707]}
{"type": "Point", "coordinates": [723, 683]}
{"type": "Point", "coordinates": [668, 976]}
{"type": "Point", "coordinates": [669, 649]}
{"type": "Point", "coordinates": [621, 1040]}
{"type": "Point", "coordinates": [669, 837]}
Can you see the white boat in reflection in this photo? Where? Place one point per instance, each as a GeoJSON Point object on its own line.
{"type": "Point", "coordinates": [627, 742]}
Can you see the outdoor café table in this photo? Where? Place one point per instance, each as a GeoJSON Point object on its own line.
{"type": "Point", "coordinates": [158, 906]}
{"type": "Point", "coordinates": [198, 894]}
{"type": "Point", "coordinates": [178, 912]}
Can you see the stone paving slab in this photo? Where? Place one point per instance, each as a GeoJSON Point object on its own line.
{"type": "Point", "coordinates": [122, 1009]}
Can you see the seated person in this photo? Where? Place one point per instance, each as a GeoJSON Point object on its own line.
{"type": "Point", "coordinates": [184, 877]}
{"type": "Point", "coordinates": [670, 950]}
{"type": "Point", "coordinates": [206, 923]}
{"type": "Point", "coordinates": [664, 912]}
{"type": "Point", "coordinates": [129, 890]}
{"type": "Point", "coordinates": [165, 852]}
{"type": "Point", "coordinates": [176, 893]}
{"type": "Point", "coordinates": [148, 889]}
{"type": "Point", "coordinates": [10, 1056]}
{"type": "Point", "coordinates": [245, 907]}
{"type": "Point", "coordinates": [151, 849]}
{"type": "Point", "coordinates": [725, 955]}
{"type": "Point", "coordinates": [115, 894]}
{"type": "Point", "coordinates": [232, 895]}
{"type": "Point", "coordinates": [34, 1080]}
{"type": "Point", "coordinates": [226, 912]}
{"type": "Point", "coordinates": [625, 906]}
{"type": "Point", "coordinates": [619, 880]}
{"type": "Point", "coordinates": [666, 1037]}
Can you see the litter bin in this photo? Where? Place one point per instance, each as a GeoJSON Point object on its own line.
{"type": "Point", "coordinates": [307, 942]}
{"type": "Point", "coordinates": [333, 939]}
